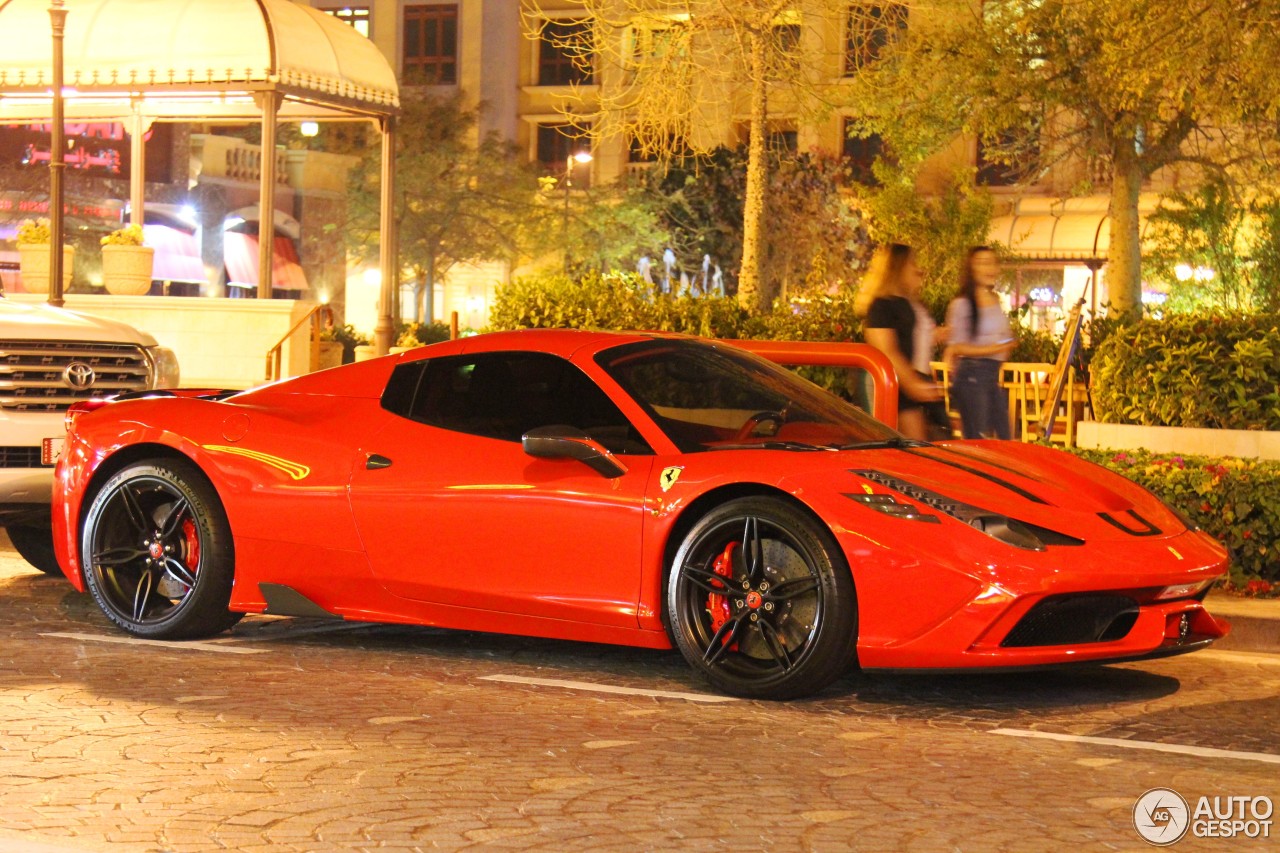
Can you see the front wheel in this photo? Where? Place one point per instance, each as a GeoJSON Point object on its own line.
{"type": "Point", "coordinates": [761, 601]}
{"type": "Point", "coordinates": [157, 552]}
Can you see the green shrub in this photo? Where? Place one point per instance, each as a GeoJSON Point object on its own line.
{"type": "Point", "coordinates": [420, 334]}
{"type": "Point", "coordinates": [348, 336]}
{"type": "Point", "coordinates": [1237, 501]}
{"type": "Point", "coordinates": [1191, 371]}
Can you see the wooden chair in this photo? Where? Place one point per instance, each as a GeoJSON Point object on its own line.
{"type": "Point", "coordinates": [1029, 391]}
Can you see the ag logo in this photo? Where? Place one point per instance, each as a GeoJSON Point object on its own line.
{"type": "Point", "coordinates": [78, 375]}
{"type": "Point", "coordinates": [1161, 817]}
{"type": "Point", "coordinates": [669, 476]}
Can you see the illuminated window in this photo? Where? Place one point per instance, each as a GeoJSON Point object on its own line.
{"type": "Point", "coordinates": [871, 29]}
{"type": "Point", "coordinates": [564, 54]}
{"type": "Point", "coordinates": [658, 45]}
{"type": "Point", "coordinates": [784, 54]}
{"type": "Point", "coordinates": [431, 44]}
{"type": "Point", "coordinates": [356, 16]}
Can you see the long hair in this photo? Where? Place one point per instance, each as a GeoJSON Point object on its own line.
{"type": "Point", "coordinates": [969, 286]}
{"type": "Point", "coordinates": [884, 276]}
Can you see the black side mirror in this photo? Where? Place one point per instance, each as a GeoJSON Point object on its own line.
{"type": "Point", "coordinates": [567, 442]}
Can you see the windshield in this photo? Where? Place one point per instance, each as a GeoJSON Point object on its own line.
{"type": "Point", "coordinates": [715, 397]}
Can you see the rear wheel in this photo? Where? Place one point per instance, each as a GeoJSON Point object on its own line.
{"type": "Point", "coordinates": [157, 552]}
{"type": "Point", "coordinates": [35, 544]}
{"type": "Point", "coordinates": [761, 601]}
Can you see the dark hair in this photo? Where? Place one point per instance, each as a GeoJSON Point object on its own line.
{"type": "Point", "coordinates": [969, 287]}
{"type": "Point", "coordinates": [886, 268]}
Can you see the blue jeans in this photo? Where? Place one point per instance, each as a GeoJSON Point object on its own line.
{"type": "Point", "coordinates": [982, 403]}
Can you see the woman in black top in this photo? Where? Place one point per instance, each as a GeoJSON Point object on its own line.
{"type": "Point", "coordinates": [898, 325]}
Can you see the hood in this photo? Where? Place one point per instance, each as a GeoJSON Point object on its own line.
{"type": "Point", "coordinates": [1035, 485]}
{"type": "Point", "coordinates": [22, 321]}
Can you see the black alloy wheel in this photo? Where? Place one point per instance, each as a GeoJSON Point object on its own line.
{"type": "Point", "coordinates": [157, 552]}
{"type": "Point", "coordinates": [761, 601]}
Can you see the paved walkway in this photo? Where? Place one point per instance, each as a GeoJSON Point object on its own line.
{"type": "Point", "coordinates": [300, 735]}
{"type": "Point", "coordinates": [1255, 622]}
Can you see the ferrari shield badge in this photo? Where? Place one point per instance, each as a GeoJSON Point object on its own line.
{"type": "Point", "coordinates": [669, 476]}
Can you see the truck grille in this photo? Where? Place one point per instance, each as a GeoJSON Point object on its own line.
{"type": "Point", "coordinates": [48, 376]}
{"type": "Point", "coordinates": [20, 457]}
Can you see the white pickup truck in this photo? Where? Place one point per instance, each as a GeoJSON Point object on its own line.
{"type": "Point", "coordinates": [49, 359]}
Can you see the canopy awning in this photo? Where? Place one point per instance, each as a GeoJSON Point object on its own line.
{"type": "Point", "coordinates": [241, 254]}
{"type": "Point", "coordinates": [190, 59]}
{"type": "Point", "coordinates": [1071, 230]}
{"type": "Point", "coordinates": [177, 257]}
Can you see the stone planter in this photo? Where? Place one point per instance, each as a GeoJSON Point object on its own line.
{"type": "Point", "coordinates": [364, 352]}
{"type": "Point", "coordinates": [1247, 444]}
{"type": "Point", "coordinates": [330, 355]}
{"type": "Point", "coordinates": [33, 260]}
{"type": "Point", "coordinates": [126, 270]}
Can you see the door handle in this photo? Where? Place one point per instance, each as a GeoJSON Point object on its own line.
{"type": "Point", "coordinates": [376, 462]}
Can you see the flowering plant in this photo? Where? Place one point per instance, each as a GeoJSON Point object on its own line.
{"type": "Point", "coordinates": [34, 232]}
{"type": "Point", "coordinates": [130, 235]}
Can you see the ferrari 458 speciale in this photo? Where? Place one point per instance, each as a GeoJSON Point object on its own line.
{"type": "Point", "coordinates": [632, 488]}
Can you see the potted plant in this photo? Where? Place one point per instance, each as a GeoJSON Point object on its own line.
{"type": "Point", "coordinates": [33, 256]}
{"type": "Point", "coordinates": [347, 340]}
{"type": "Point", "coordinates": [126, 263]}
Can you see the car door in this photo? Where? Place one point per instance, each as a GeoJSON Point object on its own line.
{"type": "Point", "coordinates": [453, 511]}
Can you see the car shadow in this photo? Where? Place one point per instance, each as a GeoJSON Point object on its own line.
{"type": "Point", "coordinates": [1074, 687]}
{"type": "Point", "coordinates": [964, 697]}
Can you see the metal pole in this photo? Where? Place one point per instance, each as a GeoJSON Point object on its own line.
{"type": "Point", "coordinates": [57, 159]}
{"type": "Point", "coordinates": [267, 195]}
{"type": "Point", "coordinates": [388, 261]}
{"type": "Point", "coordinates": [564, 224]}
{"type": "Point", "coordinates": [137, 165]}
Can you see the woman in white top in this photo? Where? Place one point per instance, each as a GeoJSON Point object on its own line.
{"type": "Point", "coordinates": [981, 341]}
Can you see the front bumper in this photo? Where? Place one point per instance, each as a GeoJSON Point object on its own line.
{"type": "Point", "coordinates": [1064, 606]}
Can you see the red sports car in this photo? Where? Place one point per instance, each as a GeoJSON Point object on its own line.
{"type": "Point", "coordinates": [639, 489]}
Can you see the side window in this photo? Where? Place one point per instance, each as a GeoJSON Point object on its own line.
{"type": "Point", "coordinates": [504, 395]}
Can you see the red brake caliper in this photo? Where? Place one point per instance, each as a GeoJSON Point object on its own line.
{"type": "Point", "coordinates": [192, 538]}
{"type": "Point", "coordinates": [718, 605]}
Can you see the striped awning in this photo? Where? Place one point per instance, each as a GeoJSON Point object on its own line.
{"type": "Point", "coordinates": [241, 254]}
{"type": "Point", "coordinates": [1075, 230]}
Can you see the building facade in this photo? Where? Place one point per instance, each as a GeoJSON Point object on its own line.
{"type": "Point", "coordinates": [514, 59]}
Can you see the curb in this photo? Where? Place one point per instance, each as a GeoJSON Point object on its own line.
{"type": "Point", "coordinates": [1255, 622]}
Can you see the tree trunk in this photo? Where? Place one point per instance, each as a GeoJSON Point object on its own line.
{"type": "Point", "coordinates": [429, 297]}
{"type": "Point", "coordinates": [750, 289]}
{"type": "Point", "coordinates": [1124, 259]}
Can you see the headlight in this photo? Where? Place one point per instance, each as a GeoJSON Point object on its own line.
{"type": "Point", "coordinates": [1011, 531]}
{"type": "Point", "coordinates": [164, 368]}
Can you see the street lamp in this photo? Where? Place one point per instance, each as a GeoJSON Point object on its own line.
{"type": "Point", "coordinates": [578, 157]}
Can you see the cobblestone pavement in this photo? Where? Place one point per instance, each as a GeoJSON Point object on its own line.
{"type": "Point", "coordinates": [293, 734]}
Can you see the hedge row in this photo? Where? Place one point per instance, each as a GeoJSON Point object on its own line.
{"type": "Point", "coordinates": [623, 301]}
{"type": "Point", "coordinates": [1236, 501]}
{"type": "Point", "coordinates": [1191, 371]}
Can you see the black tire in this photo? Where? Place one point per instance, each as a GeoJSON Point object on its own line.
{"type": "Point", "coordinates": [157, 552]}
{"type": "Point", "coordinates": [779, 618]}
{"type": "Point", "coordinates": [35, 544]}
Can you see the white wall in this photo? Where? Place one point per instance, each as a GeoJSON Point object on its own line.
{"type": "Point", "coordinates": [220, 343]}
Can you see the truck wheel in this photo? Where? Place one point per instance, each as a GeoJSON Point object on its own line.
{"type": "Point", "coordinates": [35, 544]}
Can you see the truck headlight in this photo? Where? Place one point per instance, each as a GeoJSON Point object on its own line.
{"type": "Point", "coordinates": [164, 368]}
